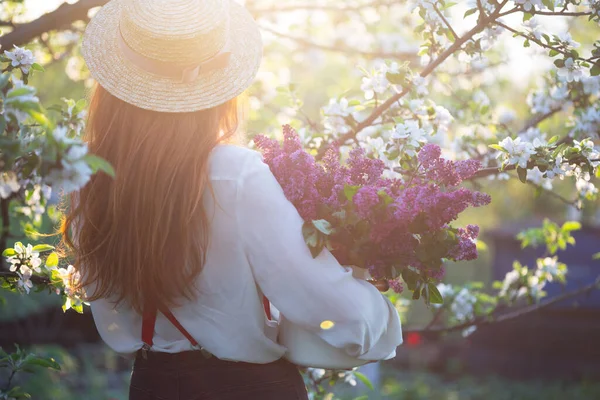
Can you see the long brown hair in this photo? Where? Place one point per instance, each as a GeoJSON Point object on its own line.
{"type": "Point", "coordinates": [143, 236]}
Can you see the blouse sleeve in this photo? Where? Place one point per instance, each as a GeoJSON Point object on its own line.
{"type": "Point", "coordinates": [307, 290]}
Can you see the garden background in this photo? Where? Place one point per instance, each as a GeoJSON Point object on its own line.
{"type": "Point", "coordinates": [388, 76]}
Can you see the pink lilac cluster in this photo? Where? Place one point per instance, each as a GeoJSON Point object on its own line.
{"type": "Point", "coordinates": [383, 224]}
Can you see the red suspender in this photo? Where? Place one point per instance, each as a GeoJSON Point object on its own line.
{"type": "Point", "coordinates": [149, 321]}
{"type": "Point", "coordinates": [267, 307]}
{"type": "Point", "coordinates": [174, 321]}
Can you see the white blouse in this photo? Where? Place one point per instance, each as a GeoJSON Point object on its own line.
{"type": "Point", "coordinates": [257, 247]}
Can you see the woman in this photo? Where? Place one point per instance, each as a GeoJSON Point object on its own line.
{"type": "Point", "coordinates": [178, 251]}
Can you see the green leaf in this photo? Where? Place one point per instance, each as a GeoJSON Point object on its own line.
{"type": "Point", "coordinates": [469, 12]}
{"type": "Point", "coordinates": [549, 4]}
{"type": "Point", "coordinates": [522, 172]}
{"type": "Point", "coordinates": [553, 53]}
{"type": "Point", "coordinates": [9, 253]}
{"type": "Point", "coordinates": [52, 260]}
{"type": "Point", "coordinates": [498, 147]}
{"type": "Point", "coordinates": [553, 139]}
{"type": "Point", "coordinates": [43, 362]}
{"type": "Point", "coordinates": [435, 297]}
{"type": "Point", "coordinates": [560, 63]}
{"type": "Point", "coordinates": [526, 43]}
{"type": "Point", "coordinates": [396, 79]}
{"type": "Point", "coordinates": [527, 16]}
{"type": "Point", "coordinates": [37, 67]}
{"type": "Point", "coordinates": [41, 119]}
{"type": "Point", "coordinates": [20, 92]}
{"type": "Point", "coordinates": [363, 378]}
{"type": "Point", "coordinates": [310, 233]}
{"type": "Point", "coordinates": [40, 248]}
{"type": "Point", "coordinates": [79, 106]}
{"type": "Point", "coordinates": [387, 199]}
{"type": "Point", "coordinates": [596, 256]}
{"type": "Point", "coordinates": [323, 226]}
{"type": "Point", "coordinates": [4, 78]}
{"type": "Point", "coordinates": [99, 164]}
{"type": "Point", "coordinates": [350, 191]}
{"type": "Point", "coordinates": [17, 393]}
{"type": "Point", "coordinates": [595, 71]}
{"type": "Point", "coordinates": [570, 226]}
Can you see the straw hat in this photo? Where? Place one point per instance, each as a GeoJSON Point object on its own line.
{"type": "Point", "coordinates": [173, 55]}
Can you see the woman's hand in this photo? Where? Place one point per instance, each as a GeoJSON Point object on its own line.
{"type": "Point", "coordinates": [382, 285]}
{"type": "Point", "coordinates": [361, 273]}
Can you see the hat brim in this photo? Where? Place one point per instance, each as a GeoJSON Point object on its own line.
{"type": "Point", "coordinates": [128, 82]}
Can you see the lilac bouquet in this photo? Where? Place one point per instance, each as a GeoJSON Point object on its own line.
{"type": "Point", "coordinates": [398, 229]}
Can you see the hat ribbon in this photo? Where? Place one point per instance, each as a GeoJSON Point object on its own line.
{"type": "Point", "coordinates": [186, 74]}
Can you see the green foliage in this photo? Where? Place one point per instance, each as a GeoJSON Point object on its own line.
{"type": "Point", "coordinates": [18, 362]}
{"type": "Point", "coordinates": [551, 235]}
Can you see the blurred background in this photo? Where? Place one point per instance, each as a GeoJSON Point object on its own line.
{"type": "Point", "coordinates": [316, 51]}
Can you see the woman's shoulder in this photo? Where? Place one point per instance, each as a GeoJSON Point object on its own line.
{"type": "Point", "coordinates": [231, 161]}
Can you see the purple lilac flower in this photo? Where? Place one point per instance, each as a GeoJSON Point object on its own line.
{"type": "Point", "coordinates": [421, 206]}
{"type": "Point", "coordinates": [365, 199]}
{"type": "Point", "coordinates": [396, 285]}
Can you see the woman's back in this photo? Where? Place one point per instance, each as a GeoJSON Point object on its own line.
{"type": "Point", "coordinates": [256, 246]}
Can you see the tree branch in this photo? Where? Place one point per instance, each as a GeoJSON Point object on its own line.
{"type": "Point", "coordinates": [38, 280]}
{"type": "Point", "coordinates": [62, 17]}
{"type": "Point", "coordinates": [369, 54]}
{"type": "Point", "coordinates": [562, 13]}
{"type": "Point", "coordinates": [319, 7]}
{"type": "Point", "coordinates": [539, 42]}
{"type": "Point", "coordinates": [487, 320]}
{"type": "Point", "coordinates": [5, 230]}
{"type": "Point", "coordinates": [445, 21]}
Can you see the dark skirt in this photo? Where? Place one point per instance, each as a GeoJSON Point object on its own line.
{"type": "Point", "coordinates": [191, 376]}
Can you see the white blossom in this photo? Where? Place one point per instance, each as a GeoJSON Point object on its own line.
{"type": "Point", "coordinates": [585, 188]}
{"type": "Point", "coordinates": [374, 83]}
{"type": "Point", "coordinates": [550, 269]}
{"type": "Point", "coordinates": [506, 115]}
{"type": "Point", "coordinates": [71, 177]}
{"type": "Point", "coordinates": [528, 5]}
{"type": "Point", "coordinates": [335, 113]}
{"type": "Point", "coordinates": [17, 104]}
{"type": "Point", "coordinates": [567, 40]}
{"type": "Point", "coordinates": [591, 85]}
{"type": "Point", "coordinates": [481, 98]}
{"type": "Point", "coordinates": [518, 151]}
{"type": "Point", "coordinates": [410, 135]}
{"type": "Point", "coordinates": [21, 58]}
{"type": "Point", "coordinates": [585, 147]}
{"type": "Point", "coordinates": [559, 169]}
{"type": "Point", "coordinates": [9, 184]}
{"type": "Point", "coordinates": [420, 85]}
{"type": "Point", "coordinates": [534, 26]}
{"type": "Point", "coordinates": [24, 282]}
{"type": "Point", "coordinates": [536, 177]}
{"type": "Point", "coordinates": [571, 71]}
{"type": "Point", "coordinates": [443, 119]}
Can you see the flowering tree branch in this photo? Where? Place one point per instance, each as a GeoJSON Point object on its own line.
{"type": "Point", "coordinates": [38, 280]}
{"type": "Point", "coordinates": [540, 43]}
{"type": "Point", "coordinates": [490, 319]}
{"type": "Point", "coordinates": [456, 45]}
{"type": "Point", "coordinates": [437, 10]}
